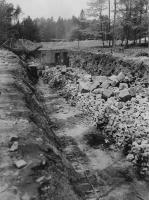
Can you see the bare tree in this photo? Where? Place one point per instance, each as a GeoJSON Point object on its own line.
{"type": "Point", "coordinates": [114, 24]}
{"type": "Point", "coordinates": [109, 2]}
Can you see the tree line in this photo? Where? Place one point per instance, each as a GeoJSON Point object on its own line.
{"type": "Point", "coordinates": [39, 29]}
{"type": "Point", "coordinates": [107, 20]}
{"type": "Point", "coordinates": [127, 19]}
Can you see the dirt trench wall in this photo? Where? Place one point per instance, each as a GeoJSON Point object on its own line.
{"type": "Point", "coordinates": [108, 64]}
{"type": "Point", "coordinates": [57, 165]}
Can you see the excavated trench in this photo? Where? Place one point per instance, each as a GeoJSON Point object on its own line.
{"type": "Point", "coordinates": [72, 160]}
{"type": "Point", "coordinates": [102, 172]}
{"type": "Point", "coordinates": [61, 177]}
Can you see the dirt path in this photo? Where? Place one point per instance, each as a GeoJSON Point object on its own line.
{"type": "Point", "coordinates": [104, 174]}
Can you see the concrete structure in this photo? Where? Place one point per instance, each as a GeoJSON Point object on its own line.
{"type": "Point", "coordinates": [54, 57]}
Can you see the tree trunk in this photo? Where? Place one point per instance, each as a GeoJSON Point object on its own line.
{"type": "Point", "coordinates": [145, 39]}
{"type": "Point", "coordinates": [148, 22]}
{"type": "Point", "coordinates": [146, 35]}
{"type": "Point", "coordinates": [140, 24]}
{"type": "Point", "coordinates": [109, 22]}
{"type": "Point", "coordinates": [115, 6]}
{"type": "Point", "coordinates": [126, 42]}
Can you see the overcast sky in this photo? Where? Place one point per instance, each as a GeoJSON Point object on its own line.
{"type": "Point", "coordinates": [48, 8]}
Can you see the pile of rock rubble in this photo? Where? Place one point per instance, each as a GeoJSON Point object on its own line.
{"type": "Point", "coordinates": [123, 99]}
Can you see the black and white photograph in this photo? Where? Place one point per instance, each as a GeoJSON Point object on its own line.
{"type": "Point", "coordinates": [74, 99]}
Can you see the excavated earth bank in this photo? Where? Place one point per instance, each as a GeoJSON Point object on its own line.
{"type": "Point", "coordinates": [107, 64]}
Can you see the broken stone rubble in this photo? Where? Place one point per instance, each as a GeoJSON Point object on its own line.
{"type": "Point", "coordinates": [20, 164]}
{"type": "Point", "coordinates": [128, 106]}
{"type": "Point", "coordinates": [124, 95]}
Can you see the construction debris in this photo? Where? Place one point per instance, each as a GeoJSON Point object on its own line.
{"type": "Point", "coordinates": [126, 103]}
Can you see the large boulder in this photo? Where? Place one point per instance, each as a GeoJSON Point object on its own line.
{"type": "Point", "coordinates": [106, 84]}
{"type": "Point", "coordinates": [99, 79]}
{"type": "Point", "coordinates": [124, 95]}
{"type": "Point", "coordinates": [63, 70]}
{"type": "Point", "coordinates": [84, 87]}
{"type": "Point", "coordinates": [123, 86]}
{"type": "Point", "coordinates": [95, 85]}
{"type": "Point", "coordinates": [114, 80]}
{"type": "Point", "coordinates": [121, 77]}
{"type": "Point", "coordinates": [107, 93]}
{"type": "Point", "coordinates": [98, 91]}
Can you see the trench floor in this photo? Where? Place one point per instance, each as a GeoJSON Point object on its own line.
{"type": "Point", "coordinates": [104, 173]}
